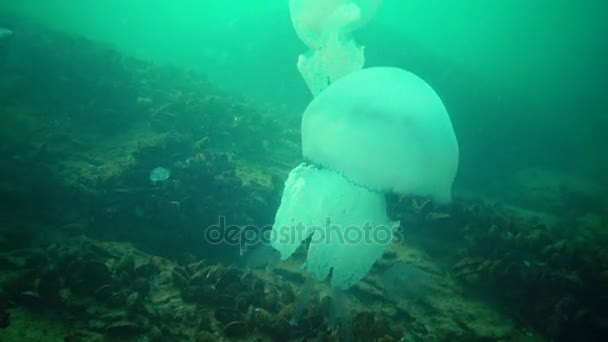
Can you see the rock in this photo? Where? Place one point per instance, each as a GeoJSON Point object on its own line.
{"type": "Point", "coordinates": [228, 315]}
{"type": "Point", "coordinates": [281, 329]}
{"type": "Point", "coordinates": [123, 329]}
{"type": "Point", "coordinates": [134, 300]}
{"type": "Point", "coordinates": [96, 324]}
{"type": "Point", "coordinates": [230, 281]}
{"type": "Point", "coordinates": [567, 279]}
{"type": "Point", "coordinates": [141, 285]}
{"type": "Point", "coordinates": [180, 277]}
{"type": "Point", "coordinates": [287, 312]}
{"type": "Point", "coordinates": [235, 329]}
{"type": "Point", "coordinates": [199, 278]}
{"type": "Point", "coordinates": [86, 277]}
{"type": "Point", "coordinates": [549, 190]}
{"type": "Point", "coordinates": [30, 298]}
{"type": "Point", "coordinates": [604, 278]}
{"type": "Point", "coordinates": [155, 334]}
{"type": "Point", "coordinates": [214, 272]}
{"type": "Point", "coordinates": [104, 292]}
{"type": "Point", "coordinates": [8, 263]}
{"type": "Point", "coordinates": [125, 266]}
{"type": "Point", "coordinates": [117, 300]}
{"type": "Point", "coordinates": [205, 336]}
{"type": "Point", "coordinates": [536, 239]}
{"type": "Point", "coordinates": [205, 322]}
{"type": "Point", "coordinates": [147, 270]}
{"type": "Point", "coordinates": [199, 294]}
{"type": "Point", "coordinates": [49, 286]}
{"type": "Point", "coordinates": [36, 259]}
{"type": "Point", "coordinates": [261, 319]}
{"type": "Point", "coordinates": [80, 336]}
{"type": "Point", "coordinates": [494, 231]}
{"type": "Point", "coordinates": [5, 320]}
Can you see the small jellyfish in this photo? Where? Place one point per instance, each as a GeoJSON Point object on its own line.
{"type": "Point", "coordinates": [159, 174]}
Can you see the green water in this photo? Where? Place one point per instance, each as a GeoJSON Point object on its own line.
{"type": "Point", "coordinates": [83, 128]}
{"type": "Point", "coordinates": [523, 80]}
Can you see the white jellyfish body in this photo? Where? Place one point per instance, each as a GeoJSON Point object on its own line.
{"type": "Point", "coordinates": [373, 131]}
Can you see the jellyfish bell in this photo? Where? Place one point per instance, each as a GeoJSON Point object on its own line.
{"type": "Point", "coordinates": [385, 129]}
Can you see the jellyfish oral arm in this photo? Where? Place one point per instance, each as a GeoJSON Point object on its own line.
{"type": "Point", "coordinates": [347, 224]}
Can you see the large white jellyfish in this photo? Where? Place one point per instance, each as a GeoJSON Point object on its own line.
{"type": "Point", "coordinates": [373, 131]}
{"type": "Point", "coordinates": [325, 27]}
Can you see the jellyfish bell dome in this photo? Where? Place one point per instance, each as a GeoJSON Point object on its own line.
{"type": "Point", "coordinates": [385, 129]}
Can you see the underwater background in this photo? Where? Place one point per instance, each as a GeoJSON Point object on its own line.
{"type": "Point", "coordinates": [128, 127]}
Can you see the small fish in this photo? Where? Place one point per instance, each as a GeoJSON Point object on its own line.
{"type": "Point", "coordinates": [159, 174]}
{"type": "Point", "coordinates": [5, 33]}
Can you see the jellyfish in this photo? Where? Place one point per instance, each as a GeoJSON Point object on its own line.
{"type": "Point", "coordinates": [374, 131]}
{"type": "Point", "coordinates": [325, 26]}
{"type": "Point", "coordinates": [159, 175]}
